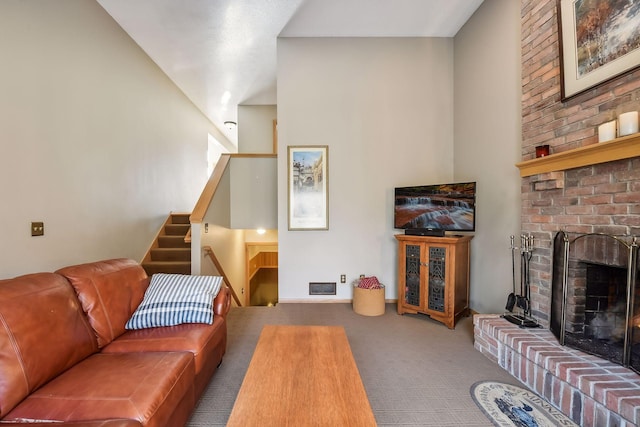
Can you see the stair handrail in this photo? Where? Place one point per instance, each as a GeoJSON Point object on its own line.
{"type": "Point", "coordinates": [225, 279]}
{"type": "Point", "coordinates": [200, 209]}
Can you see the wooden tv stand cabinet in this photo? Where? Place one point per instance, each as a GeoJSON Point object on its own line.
{"type": "Point", "coordinates": [433, 276]}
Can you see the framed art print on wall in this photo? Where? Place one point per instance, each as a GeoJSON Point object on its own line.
{"type": "Point", "coordinates": [599, 40]}
{"type": "Point", "coordinates": [307, 186]}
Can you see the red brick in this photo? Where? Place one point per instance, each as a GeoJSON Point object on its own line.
{"type": "Point", "coordinates": [586, 378]}
{"type": "Point", "coordinates": [616, 187]}
{"type": "Point", "coordinates": [610, 209]}
{"type": "Point", "coordinates": [563, 369]}
{"type": "Point", "coordinates": [630, 409]}
{"type": "Point", "coordinates": [601, 416]}
{"type": "Point", "coordinates": [556, 393]}
{"type": "Point", "coordinates": [566, 393]}
{"type": "Point", "coordinates": [588, 412]}
{"type": "Point", "coordinates": [530, 375]}
{"type": "Point", "coordinates": [611, 392]}
{"type": "Point", "coordinates": [597, 199]}
{"type": "Point", "coordinates": [539, 380]}
{"type": "Point", "coordinates": [632, 85]}
{"type": "Point", "coordinates": [602, 385]}
{"type": "Point", "coordinates": [628, 197]}
{"type": "Point", "coordinates": [631, 221]}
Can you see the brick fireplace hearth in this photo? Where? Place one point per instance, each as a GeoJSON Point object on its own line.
{"type": "Point", "coordinates": [599, 198]}
{"type": "Point", "coordinates": [588, 389]}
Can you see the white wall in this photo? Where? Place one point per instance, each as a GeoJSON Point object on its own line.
{"type": "Point", "coordinates": [488, 142]}
{"type": "Point", "coordinates": [255, 128]}
{"type": "Point", "coordinates": [96, 141]}
{"type": "Point", "coordinates": [253, 192]}
{"type": "Point", "coordinates": [384, 107]}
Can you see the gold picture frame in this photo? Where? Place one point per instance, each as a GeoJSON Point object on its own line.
{"type": "Point", "coordinates": [308, 187]}
{"type": "Point", "coordinates": [599, 40]}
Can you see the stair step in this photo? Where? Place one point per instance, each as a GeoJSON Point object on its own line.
{"type": "Point", "coordinates": [174, 267]}
{"type": "Point", "coordinates": [171, 254]}
{"type": "Point", "coordinates": [172, 242]}
{"type": "Point", "coordinates": [177, 229]}
{"type": "Point", "coordinates": [180, 218]}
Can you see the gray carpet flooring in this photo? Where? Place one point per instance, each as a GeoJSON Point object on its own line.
{"type": "Point", "coordinates": [416, 371]}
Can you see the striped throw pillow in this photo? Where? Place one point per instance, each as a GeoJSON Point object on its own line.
{"type": "Point", "coordinates": [173, 299]}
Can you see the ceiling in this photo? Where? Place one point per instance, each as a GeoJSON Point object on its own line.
{"type": "Point", "coordinates": [222, 53]}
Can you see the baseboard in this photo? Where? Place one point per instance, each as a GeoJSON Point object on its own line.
{"type": "Point", "coordinates": [324, 300]}
{"type": "Point", "coordinates": [311, 300]}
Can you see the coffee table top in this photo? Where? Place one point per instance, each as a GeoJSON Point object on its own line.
{"type": "Point", "coordinates": [302, 375]}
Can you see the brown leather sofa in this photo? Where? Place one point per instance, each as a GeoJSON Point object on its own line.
{"type": "Point", "coordinates": [65, 354]}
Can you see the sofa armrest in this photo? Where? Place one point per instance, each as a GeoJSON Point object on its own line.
{"type": "Point", "coordinates": [222, 302]}
{"type": "Point", "coordinates": [92, 423]}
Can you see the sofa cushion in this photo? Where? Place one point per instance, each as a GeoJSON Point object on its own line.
{"type": "Point", "coordinates": [174, 299]}
{"type": "Point", "coordinates": [109, 291]}
{"type": "Point", "coordinates": [148, 387]}
{"type": "Point", "coordinates": [43, 332]}
{"type": "Point", "coordinates": [93, 423]}
{"type": "Point", "coordinates": [207, 343]}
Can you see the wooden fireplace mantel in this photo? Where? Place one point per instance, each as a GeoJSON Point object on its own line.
{"type": "Point", "coordinates": [601, 152]}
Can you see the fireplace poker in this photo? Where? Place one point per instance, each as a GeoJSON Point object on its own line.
{"type": "Point", "coordinates": [527, 283]}
{"type": "Point", "coordinates": [511, 298]}
{"type": "Point", "coordinates": [521, 299]}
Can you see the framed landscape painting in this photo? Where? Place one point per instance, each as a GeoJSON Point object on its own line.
{"type": "Point", "coordinates": [599, 40]}
{"type": "Point", "coordinates": [308, 202]}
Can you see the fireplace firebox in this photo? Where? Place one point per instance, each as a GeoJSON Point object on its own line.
{"type": "Point", "coordinates": [595, 307]}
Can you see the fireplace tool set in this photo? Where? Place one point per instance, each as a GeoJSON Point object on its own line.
{"type": "Point", "coordinates": [522, 301]}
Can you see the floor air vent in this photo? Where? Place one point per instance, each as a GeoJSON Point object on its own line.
{"type": "Point", "coordinates": [322, 288]}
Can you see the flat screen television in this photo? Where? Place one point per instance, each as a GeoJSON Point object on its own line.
{"type": "Point", "coordinates": [435, 209]}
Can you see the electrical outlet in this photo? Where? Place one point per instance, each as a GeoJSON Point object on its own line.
{"type": "Point", "coordinates": [343, 278]}
{"type": "Point", "coordinates": [37, 228]}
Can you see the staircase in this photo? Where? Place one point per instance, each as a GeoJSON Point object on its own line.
{"type": "Point", "coordinates": [169, 253]}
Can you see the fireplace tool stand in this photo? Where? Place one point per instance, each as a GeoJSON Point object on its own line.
{"type": "Point", "coordinates": [522, 301]}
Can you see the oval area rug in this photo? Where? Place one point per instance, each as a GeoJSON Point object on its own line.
{"type": "Point", "coordinates": [508, 405]}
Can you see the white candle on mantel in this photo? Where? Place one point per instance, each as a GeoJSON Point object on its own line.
{"type": "Point", "coordinates": [607, 131]}
{"type": "Point", "coordinates": [628, 123]}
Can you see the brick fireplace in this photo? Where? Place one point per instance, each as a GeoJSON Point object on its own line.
{"type": "Point", "coordinates": [601, 198]}
{"type": "Point", "coordinates": [592, 189]}
{"type": "Point", "coordinates": [592, 198]}
{"type": "Point", "coordinates": [594, 301]}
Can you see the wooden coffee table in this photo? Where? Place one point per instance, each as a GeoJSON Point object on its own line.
{"type": "Point", "coordinates": [300, 376]}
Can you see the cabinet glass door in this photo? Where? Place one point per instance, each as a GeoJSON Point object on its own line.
{"type": "Point", "coordinates": [412, 275]}
{"type": "Point", "coordinates": [436, 278]}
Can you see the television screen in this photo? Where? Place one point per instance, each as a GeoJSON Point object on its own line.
{"type": "Point", "coordinates": [446, 207]}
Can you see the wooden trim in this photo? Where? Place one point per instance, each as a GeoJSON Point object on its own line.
{"type": "Point", "coordinates": [602, 152]}
{"type": "Point", "coordinates": [210, 188]}
{"type": "Point", "coordinates": [275, 136]}
{"type": "Point", "coordinates": [252, 155]}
